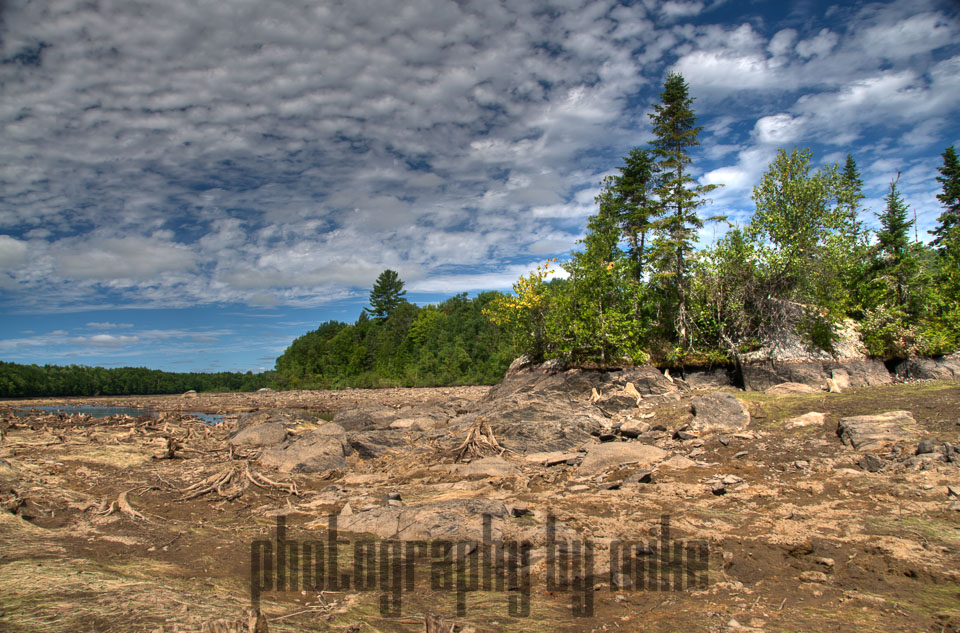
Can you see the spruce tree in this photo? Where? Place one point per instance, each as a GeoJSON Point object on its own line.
{"type": "Point", "coordinates": [676, 132]}
{"type": "Point", "coordinates": [896, 262]}
{"type": "Point", "coordinates": [949, 178]}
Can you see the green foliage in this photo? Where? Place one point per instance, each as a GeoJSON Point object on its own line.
{"type": "Point", "coordinates": [676, 132]}
{"type": "Point", "coordinates": [949, 220]}
{"type": "Point", "coordinates": [387, 295]}
{"type": "Point", "coordinates": [446, 344]}
{"type": "Point", "coordinates": [20, 381]}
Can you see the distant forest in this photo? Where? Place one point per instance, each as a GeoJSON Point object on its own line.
{"type": "Point", "coordinates": [396, 343]}
{"type": "Point", "coordinates": [18, 381]}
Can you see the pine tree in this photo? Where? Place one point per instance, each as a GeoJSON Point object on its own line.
{"type": "Point", "coordinates": [629, 198]}
{"type": "Point", "coordinates": [851, 193]}
{"type": "Point", "coordinates": [897, 264]}
{"type": "Point", "coordinates": [387, 295]}
{"type": "Point", "coordinates": [950, 199]}
{"type": "Point", "coordinates": [676, 131]}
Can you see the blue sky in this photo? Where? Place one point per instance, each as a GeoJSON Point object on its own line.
{"type": "Point", "coordinates": [190, 184]}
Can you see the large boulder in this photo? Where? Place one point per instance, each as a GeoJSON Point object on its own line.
{"type": "Point", "coordinates": [319, 450]}
{"type": "Point", "coordinates": [487, 467]}
{"type": "Point", "coordinates": [790, 388]}
{"type": "Point", "coordinates": [937, 368]}
{"type": "Point", "coordinates": [610, 455]}
{"type": "Point", "coordinates": [852, 372]}
{"type": "Point", "coordinates": [708, 378]}
{"type": "Point", "coordinates": [450, 520]}
{"type": "Point", "coordinates": [879, 432]}
{"type": "Point", "coordinates": [266, 434]}
{"type": "Point", "coordinates": [373, 444]}
{"type": "Point", "coordinates": [718, 412]}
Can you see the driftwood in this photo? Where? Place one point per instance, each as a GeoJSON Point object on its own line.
{"type": "Point", "coordinates": [480, 441]}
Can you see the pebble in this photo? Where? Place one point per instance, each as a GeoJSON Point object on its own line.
{"type": "Point", "coordinates": [814, 576]}
{"type": "Point", "coordinates": [926, 446]}
{"type": "Point", "coordinates": [802, 464]}
{"type": "Point", "coordinates": [723, 439]}
{"type": "Point", "coordinates": [578, 488]}
{"type": "Point", "coordinates": [719, 489]}
{"type": "Point", "coordinates": [871, 463]}
{"type": "Point", "coordinates": [740, 454]}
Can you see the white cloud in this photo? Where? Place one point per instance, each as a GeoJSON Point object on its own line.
{"type": "Point", "coordinates": [818, 46]}
{"type": "Point", "coordinates": [13, 253]}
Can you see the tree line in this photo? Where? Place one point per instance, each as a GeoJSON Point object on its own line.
{"type": "Point", "coordinates": [18, 381]}
{"type": "Point", "coordinates": [397, 343]}
{"type": "Point", "coordinates": [639, 290]}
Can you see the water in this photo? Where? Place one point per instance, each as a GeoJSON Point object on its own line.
{"type": "Point", "coordinates": [95, 411]}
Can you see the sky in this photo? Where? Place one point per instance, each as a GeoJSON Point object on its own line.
{"type": "Point", "coordinates": [188, 185]}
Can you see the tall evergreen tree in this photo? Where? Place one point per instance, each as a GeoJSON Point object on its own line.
{"type": "Point", "coordinates": [676, 132]}
{"type": "Point", "coordinates": [897, 263]}
{"type": "Point", "coordinates": [630, 198]}
{"type": "Point", "coordinates": [949, 178]}
{"type": "Point", "coordinates": [387, 294]}
{"type": "Point", "coordinates": [851, 193]}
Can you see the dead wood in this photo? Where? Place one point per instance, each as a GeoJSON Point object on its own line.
{"type": "Point", "coordinates": [479, 441]}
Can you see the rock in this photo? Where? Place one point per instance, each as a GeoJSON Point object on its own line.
{"type": "Point", "coordinates": [807, 419]}
{"type": "Point", "coordinates": [841, 377]}
{"type": "Point", "coordinates": [871, 463]}
{"type": "Point", "coordinates": [642, 476]}
{"type": "Point", "coordinates": [814, 576]}
{"type": "Point", "coordinates": [488, 467]}
{"type": "Point", "coordinates": [678, 462]}
{"type": "Point", "coordinates": [551, 459]}
{"type": "Point", "coordinates": [801, 464]}
{"type": "Point", "coordinates": [939, 368]}
{"type": "Point", "coordinates": [319, 450]}
{"type": "Point", "coordinates": [266, 434]}
{"type": "Point", "coordinates": [723, 439]}
{"type": "Point", "coordinates": [953, 491]}
{"type": "Point", "coordinates": [955, 506]}
{"type": "Point", "coordinates": [518, 511]}
{"type": "Point", "coordinates": [366, 417]}
{"type": "Point", "coordinates": [601, 457]}
{"type": "Point", "coordinates": [763, 374]}
{"type": "Point", "coordinates": [731, 479]}
{"type": "Point", "coordinates": [832, 386]}
{"type": "Point", "coordinates": [740, 454]}
{"type": "Point", "coordinates": [374, 444]}
{"type": "Point", "coordinates": [647, 380]}
{"type": "Point", "coordinates": [616, 402]}
{"type": "Point", "coordinates": [287, 417]}
{"type": "Point", "coordinates": [633, 428]}
{"type": "Point", "coordinates": [421, 423]}
{"type": "Point", "coordinates": [451, 520]}
{"type": "Point", "coordinates": [578, 488]}
{"type": "Point", "coordinates": [879, 432]}
{"type": "Point", "coordinates": [925, 446]}
{"type": "Point", "coordinates": [536, 411]}
{"type": "Point", "coordinates": [683, 435]}
{"type": "Point", "coordinates": [708, 378]}
{"type": "Point", "coordinates": [718, 412]}
{"type": "Point", "coordinates": [787, 388]}
{"type": "Point", "coordinates": [719, 489]}
{"type": "Point", "coordinates": [8, 471]}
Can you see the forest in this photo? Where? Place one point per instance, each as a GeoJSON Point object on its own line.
{"type": "Point", "coordinates": [25, 381]}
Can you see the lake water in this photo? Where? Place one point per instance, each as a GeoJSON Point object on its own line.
{"type": "Point", "coordinates": [106, 412]}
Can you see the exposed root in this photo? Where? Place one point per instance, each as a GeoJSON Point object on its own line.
{"type": "Point", "coordinates": [480, 441]}
{"type": "Point", "coordinates": [126, 508]}
{"type": "Point", "coordinates": [232, 481]}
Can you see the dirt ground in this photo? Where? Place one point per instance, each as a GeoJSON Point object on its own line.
{"type": "Point", "coordinates": [99, 533]}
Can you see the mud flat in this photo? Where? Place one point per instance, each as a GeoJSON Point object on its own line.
{"type": "Point", "coordinates": [716, 509]}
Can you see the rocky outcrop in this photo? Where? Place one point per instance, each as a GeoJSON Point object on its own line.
{"type": "Point", "coordinates": [854, 372]}
{"type": "Point", "coordinates": [718, 412]}
{"type": "Point", "coordinates": [879, 432]}
{"type": "Point", "coordinates": [319, 450]}
{"type": "Point", "coordinates": [936, 368]}
{"type": "Point", "coordinates": [546, 407]}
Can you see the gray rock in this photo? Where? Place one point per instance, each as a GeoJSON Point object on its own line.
{"type": "Point", "coordinates": [939, 368]}
{"type": "Point", "coordinates": [707, 378]}
{"type": "Point", "coordinates": [633, 428]}
{"type": "Point", "coordinates": [366, 417]}
{"type": "Point", "coordinates": [719, 489]}
{"type": "Point", "coordinates": [552, 458]}
{"type": "Point", "coordinates": [879, 432]}
{"type": "Point", "coordinates": [451, 520]}
{"type": "Point", "coordinates": [925, 446]}
{"type": "Point", "coordinates": [718, 412]}
{"type": "Point", "coordinates": [642, 476]}
{"type": "Point", "coordinates": [601, 457]}
{"type": "Point", "coordinates": [319, 450]}
{"type": "Point", "coordinates": [266, 434]}
{"type": "Point", "coordinates": [870, 462]}
{"type": "Point", "coordinates": [740, 454]}
{"type": "Point", "coordinates": [287, 417]}
{"type": "Point", "coordinates": [374, 444]}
